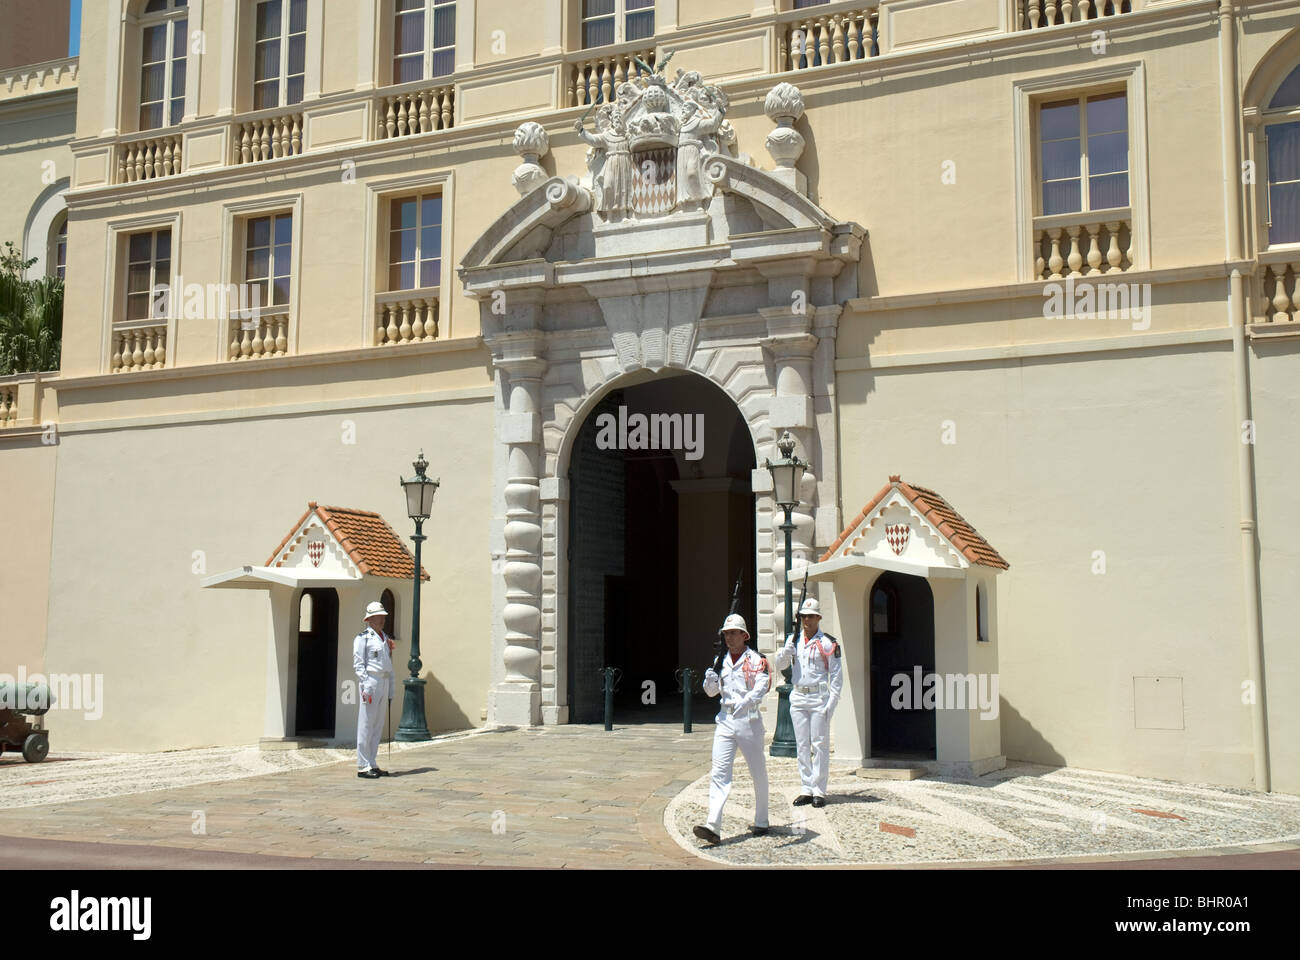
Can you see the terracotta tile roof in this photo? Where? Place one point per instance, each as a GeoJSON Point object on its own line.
{"type": "Point", "coordinates": [367, 538]}
{"type": "Point", "coordinates": [936, 511]}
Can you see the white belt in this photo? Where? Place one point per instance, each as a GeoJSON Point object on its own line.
{"type": "Point", "coordinates": [810, 688]}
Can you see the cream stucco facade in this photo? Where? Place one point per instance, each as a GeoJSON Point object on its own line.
{"type": "Point", "coordinates": [869, 267]}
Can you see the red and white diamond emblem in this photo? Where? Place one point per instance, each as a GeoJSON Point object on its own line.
{"type": "Point", "coordinates": [897, 534]}
{"type": "Point", "coordinates": [316, 552]}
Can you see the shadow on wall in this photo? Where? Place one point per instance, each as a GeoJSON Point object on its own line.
{"type": "Point", "coordinates": [442, 712]}
{"type": "Point", "coordinates": [1020, 741]}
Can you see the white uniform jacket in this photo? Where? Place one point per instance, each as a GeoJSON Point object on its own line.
{"type": "Point", "coordinates": [371, 659]}
{"type": "Point", "coordinates": [741, 684]}
{"type": "Point", "coordinates": [817, 668]}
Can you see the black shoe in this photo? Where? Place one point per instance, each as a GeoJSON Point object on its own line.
{"type": "Point", "coordinates": [758, 831]}
{"type": "Point", "coordinates": [819, 801]}
{"type": "Point", "coordinates": [368, 774]}
{"type": "Point", "coordinates": [383, 773]}
{"type": "Point", "coordinates": [707, 835]}
{"type": "Point", "coordinates": [801, 800]}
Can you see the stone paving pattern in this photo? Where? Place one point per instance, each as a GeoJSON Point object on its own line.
{"type": "Point", "coordinates": [577, 796]}
{"type": "Point", "coordinates": [567, 796]}
{"type": "Point", "coordinates": [1025, 812]}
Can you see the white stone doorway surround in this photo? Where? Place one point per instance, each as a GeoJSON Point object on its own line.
{"type": "Point", "coordinates": [745, 290]}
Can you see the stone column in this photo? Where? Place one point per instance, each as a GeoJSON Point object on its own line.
{"type": "Point", "coordinates": [518, 695]}
{"type": "Point", "coordinates": [792, 344]}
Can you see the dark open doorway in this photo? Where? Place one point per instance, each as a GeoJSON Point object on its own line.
{"type": "Point", "coordinates": [901, 618]}
{"type": "Point", "coordinates": [318, 655]}
{"type": "Point", "coordinates": [656, 539]}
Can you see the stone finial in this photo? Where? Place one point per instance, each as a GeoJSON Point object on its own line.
{"type": "Point", "coordinates": [783, 106]}
{"type": "Point", "coordinates": [784, 101]}
{"type": "Point", "coordinates": [531, 143]}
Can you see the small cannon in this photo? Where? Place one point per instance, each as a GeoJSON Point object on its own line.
{"type": "Point", "coordinates": [18, 701]}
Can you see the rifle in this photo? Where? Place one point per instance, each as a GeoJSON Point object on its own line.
{"type": "Point", "coordinates": [803, 595]}
{"type": "Point", "coordinates": [735, 608]}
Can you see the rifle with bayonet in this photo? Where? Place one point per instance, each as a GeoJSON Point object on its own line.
{"type": "Point", "coordinates": [735, 608]}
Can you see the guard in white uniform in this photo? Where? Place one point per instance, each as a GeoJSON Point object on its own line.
{"type": "Point", "coordinates": [372, 660]}
{"type": "Point", "coordinates": [818, 677]}
{"type": "Point", "coordinates": [744, 680]}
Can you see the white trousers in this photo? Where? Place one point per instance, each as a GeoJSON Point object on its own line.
{"type": "Point", "coordinates": [812, 739]}
{"type": "Point", "coordinates": [370, 722]}
{"type": "Point", "coordinates": [748, 736]}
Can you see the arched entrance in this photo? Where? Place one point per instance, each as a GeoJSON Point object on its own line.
{"type": "Point", "coordinates": [317, 662]}
{"type": "Point", "coordinates": [900, 613]}
{"type": "Point", "coordinates": [661, 521]}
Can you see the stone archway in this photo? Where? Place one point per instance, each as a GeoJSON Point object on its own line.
{"type": "Point", "coordinates": [741, 279]}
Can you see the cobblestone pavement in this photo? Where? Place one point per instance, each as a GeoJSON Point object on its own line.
{"type": "Point", "coordinates": [545, 797]}
{"type": "Point", "coordinates": [1024, 813]}
{"type": "Point", "coordinates": [580, 797]}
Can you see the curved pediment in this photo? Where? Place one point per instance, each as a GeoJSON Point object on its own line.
{"type": "Point", "coordinates": [660, 178]}
{"type": "Point", "coordinates": [747, 201]}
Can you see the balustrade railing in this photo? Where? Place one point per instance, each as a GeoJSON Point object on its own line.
{"type": "Point", "coordinates": [265, 335]}
{"type": "Point", "coordinates": [416, 111]}
{"type": "Point", "coordinates": [406, 316]}
{"type": "Point", "coordinates": [149, 159]}
{"type": "Point", "coordinates": [139, 348]}
{"type": "Point", "coordinates": [1032, 14]}
{"type": "Point", "coordinates": [595, 79]}
{"type": "Point", "coordinates": [1083, 244]}
{"type": "Point", "coordinates": [268, 138]}
{"type": "Point", "coordinates": [818, 39]}
{"type": "Point", "coordinates": [1280, 301]}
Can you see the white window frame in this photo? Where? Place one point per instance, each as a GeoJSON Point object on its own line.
{"type": "Point", "coordinates": [379, 192]}
{"type": "Point", "coordinates": [1027, 95]}
{"type": "Point", "coordinates": [115, 259]}
{"type": "Point", "coordinates": [282, 85]}
{"type": "Point", "coordinates": [234, 217]}
{"type": "Point", "coordinates": [1085, 188]}
{"type": "Point", "coordinates": [1262, 120]}
{"type": "Point", "coordinates": [428, 50]}
{"type": "Point", "coordinates": [169, 17]}
{"type": "Point", "coordinates": [620, 16]}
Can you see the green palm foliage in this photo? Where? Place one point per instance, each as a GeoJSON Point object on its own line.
{"type": "Point", "coordinates": [31, 317]}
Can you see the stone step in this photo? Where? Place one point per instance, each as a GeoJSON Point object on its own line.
{"type": "Point", "coordinates": [290, 743]}
{"type": "Point", "coordinates": [892, 773]}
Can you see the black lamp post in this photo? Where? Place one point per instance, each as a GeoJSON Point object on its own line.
{"type": "Point", "coordinates": [786, 476]}
{"type": "Point", "coordinates": [419, 504]}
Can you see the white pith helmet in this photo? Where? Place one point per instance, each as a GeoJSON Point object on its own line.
{"type": "Point", "coordinates": [735, 622]}
{"type": "Point", "coordinates": [375, 609]}
{"type": "Point", "coordinates": [811, 606]}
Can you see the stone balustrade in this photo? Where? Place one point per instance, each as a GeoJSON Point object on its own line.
{"type": "Point", "coordinates": [406, 316]}
{"type": "Point", "coordinates": [596, 79]}
{"type": "Point", "coordinates": [1083, 244]}
{"type": "Point", "coordinates": [1032, 14]}
{"type": "Point", "coordinates": [149, 159]}
{"type": "Point", "coordinates": [266, 335]}
{"type": "Point", "coordinates": [416, 111]}
{"type": "Point", "coordinates": [268, 138]}
{"type": "Point", "coordinates": [1280, 300]}
{"type": "Point", "coordinates": [818, 37]}
{"type": "Point", "coordinates": [139, 348]}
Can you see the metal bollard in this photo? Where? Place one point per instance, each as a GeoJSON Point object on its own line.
{"type": "Point", "coordinates": [610, 676]}
{"type": "Point", "coordinates": [685, 676]}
